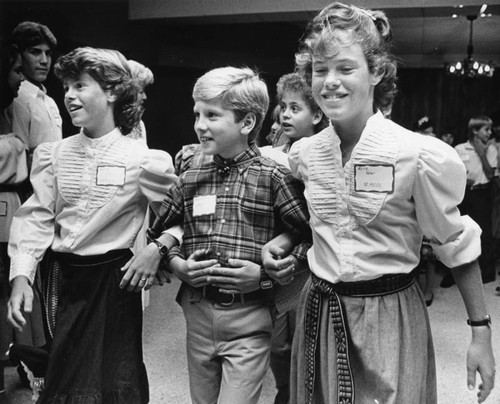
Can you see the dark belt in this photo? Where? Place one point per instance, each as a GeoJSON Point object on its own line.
{"type": "Point", "coordinates": [479, 186]}
{"type": "Point", "coordinates": [320, 289]}
{"type": "Point", "coordinates": [9, 188]}
{"type": "Point", "coordinates": [212, 294]}
{"type": "Point", "coordinates": [91, 260]}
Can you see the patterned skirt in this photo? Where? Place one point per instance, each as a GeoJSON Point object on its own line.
{"type": "Point", "coordinates": [95, 356]}
{"type": "Point", "coordinates": [367, 348]}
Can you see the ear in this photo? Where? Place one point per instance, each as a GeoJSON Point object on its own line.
{"type": "Point", "coordinates": [248, 123]}
{"type": "Point", "coordinates": [317, 117]}
{"type": "Point", "coordinates": [111, 97]}
{"type": "Point", "coordinates": [376, 77]}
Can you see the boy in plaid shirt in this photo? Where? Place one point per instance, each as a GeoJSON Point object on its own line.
{"type": "Point", "coordinates": [230, 201]}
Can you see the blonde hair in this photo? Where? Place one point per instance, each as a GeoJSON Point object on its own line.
{"type": "Point", "coordinates": [476, 123]}
{"type": "Point", "coordinates": [370, 29]}
{"type": "Point", "coordinates": [142, 75]}
{"type": "Point", "coordinates": [240, 90]}
{"type": "Point", "coordinates": [110, 69]}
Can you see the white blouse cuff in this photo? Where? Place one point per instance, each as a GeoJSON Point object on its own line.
{"type": "Point", "coordinates": [176, 232]}
{"type": "Point", "coordinates": [23, 264]}
{"type": "Point", "coordinates": [463, 249]}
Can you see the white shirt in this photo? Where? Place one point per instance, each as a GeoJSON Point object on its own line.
{"type": "Point", "coordinates": [90, 197]}
{"type": "Point", "coordinates": [36, 116]}
{"type": "Point", "coordinates": [368, 218]}
{"type": "Point", "coordinates": [13, 171]}
{"type": "Point", "coordinates": [472, 162]}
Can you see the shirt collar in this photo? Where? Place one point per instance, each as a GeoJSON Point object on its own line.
{"type": "Point", "coordinates": [240, 162]}
{"type": "Point", "coordinates": [33, 89]}
{"type": "Point", "coordinates": [102, 141]}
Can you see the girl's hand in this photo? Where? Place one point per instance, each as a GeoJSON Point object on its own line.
{"type": "Point", "coordinates": [480, 359]}
{"type": "Point", "coordinates": [21, 298]}
{"type": "Point", "coordinates": [141, 270]}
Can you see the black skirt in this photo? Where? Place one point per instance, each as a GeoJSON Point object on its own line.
{"type": "Point", "coordinates": [96, 352]}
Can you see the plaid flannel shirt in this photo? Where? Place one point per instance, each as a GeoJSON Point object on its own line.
{"type": "Point", "coordinates": [256, 200]}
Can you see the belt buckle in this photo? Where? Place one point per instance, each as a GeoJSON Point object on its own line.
{"type": "Point", "coordinates": [228, 303]}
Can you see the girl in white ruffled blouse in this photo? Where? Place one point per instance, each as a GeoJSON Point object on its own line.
{"type": "Point", "coordinates": [91, 192]}
{"type": "Point", "coordinates": [373, 190]}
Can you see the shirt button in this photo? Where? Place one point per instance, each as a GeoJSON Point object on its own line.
{"type": "Point", "coordinates": [226, 189]}
{"type": "Point", "coordinates": [218, 253]}
{"type": "Point", "coordinates": [223, 221]}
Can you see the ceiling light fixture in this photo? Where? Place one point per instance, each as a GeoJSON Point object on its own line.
{"type": "Point", "coordinates": [469, 67]}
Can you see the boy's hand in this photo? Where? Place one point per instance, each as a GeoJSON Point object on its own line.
{"type": "Point", "coordinates": [280, 270]}
{"type": "Point", "coordinates": [479, 146]}
{"type": "Point", "coordinates": [21, 298]}
{"type": "Point", "coordinates": [194, 270]}
{"type": "Point", "coordinates": [241, 276]}
{"type": "Point", "coordinates": [480, 359]}
{"type": "Point", "coordinates": [141, 269]}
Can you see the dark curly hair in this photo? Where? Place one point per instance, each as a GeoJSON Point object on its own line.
{"type": "Point", "coordinates": [111, 70]}
{"type": "Point", "coordinates": [29, 33]}
{"type": "Point", "coordinates": [368, 28]}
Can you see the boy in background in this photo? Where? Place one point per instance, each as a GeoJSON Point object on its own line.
{"type": "Point", "coordinates": [480, 159]}
{"type": "Point", "coordinates": [36, 116]}
{"type": "Point", "coordinates": [230, 205]}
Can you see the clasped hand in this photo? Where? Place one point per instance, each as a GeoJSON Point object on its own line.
{"type": "Point", "coordinates": [238, 276]}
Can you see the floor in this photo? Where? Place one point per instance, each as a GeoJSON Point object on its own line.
{"type": "Point", "coordinates": [164, 350]}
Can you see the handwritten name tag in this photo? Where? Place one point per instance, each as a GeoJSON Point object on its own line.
{"type": "Point", "coordinates": [111, 175]}
{"type": "Point", "coordinates": [374, 178]}
{"type": "Point", "coordinates": [204, 205]}
{"type": "Point", "coordinates": [3, 208]}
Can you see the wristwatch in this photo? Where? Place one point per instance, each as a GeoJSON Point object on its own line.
{"type": "Point", "coordinates": [485, 321]}
{"type": "Point", "coordinates": [265, 282]}
{"type": "Point", "coordinates": [162, 249]}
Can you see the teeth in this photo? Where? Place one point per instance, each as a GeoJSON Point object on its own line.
{"type": "Point", "coordinates": [204, 139]}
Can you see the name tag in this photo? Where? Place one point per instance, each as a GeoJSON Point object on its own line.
{"type": "Point", "coordinates": [374, 178]}
{"type": "Point", "coordinates": [3, 208]}
{"type": "Point", "coordinates": [111, 175]}
{"type": "Point", "coordinates": [204, 205]}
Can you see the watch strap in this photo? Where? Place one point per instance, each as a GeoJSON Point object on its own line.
{"type": "Point", "coordinates": [162, 249]}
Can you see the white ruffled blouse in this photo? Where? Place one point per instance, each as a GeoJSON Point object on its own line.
{"type": "Point", "coordinates": [90, 197]}
{"type": "Point", "coordinates": [368, 217]}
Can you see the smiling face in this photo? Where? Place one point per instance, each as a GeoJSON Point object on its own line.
{"type": "Point", "coordinates": [36, 63]}
{"type": "Point", "coordinates": [343, 86]}
{"type": "Point", "coordinates": [218, 131]}
{"type": "Point", "coordinates": [89, 106]}
{"type": "Point", "coordinates": [297, 119]}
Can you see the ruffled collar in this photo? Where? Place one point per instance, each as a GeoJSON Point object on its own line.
{"type": "Point", "coordinates": [102, 141]}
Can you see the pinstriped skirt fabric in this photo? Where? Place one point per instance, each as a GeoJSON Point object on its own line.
{"type": "Point", "coordinates": [390, 351]}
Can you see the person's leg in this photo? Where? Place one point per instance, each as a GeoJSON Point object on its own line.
{"type": "Point", "coordinates": [244, 332]}
{"type": "Point", "coordinates": [204, 366]}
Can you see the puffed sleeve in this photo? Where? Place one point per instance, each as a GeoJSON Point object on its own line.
{"type": "Point", "coordinates": [156, 176]}
{"type": "Point", "coordinates": [296, 159]}
{"type": "Point", "coordinates": [32, 229]}
{"type": "Point", "coordinates": [439, 188]}
{"type": "Point", "coordinates": [13, 160]}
